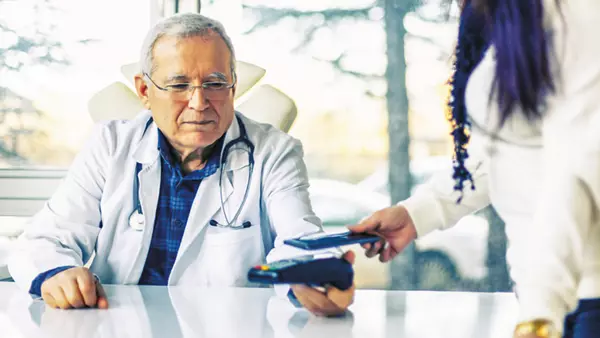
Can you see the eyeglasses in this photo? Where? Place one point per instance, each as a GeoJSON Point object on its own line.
{"type": "Point", "coordinates": [213, 90]}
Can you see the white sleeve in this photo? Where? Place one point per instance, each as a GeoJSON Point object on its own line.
{"type": "Point", "coordinates": [285, 193]}
{"type": "Point", "coordinates": [434, 204]}
{"type": "Point", "coordinates": [64, 232]}
{"type": "Point", "coordinates": [568, 204]}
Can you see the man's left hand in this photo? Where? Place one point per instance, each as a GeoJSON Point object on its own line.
{"type": "Point", "coordinates": [332, 302]}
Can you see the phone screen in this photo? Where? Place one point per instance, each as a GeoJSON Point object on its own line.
{"type": "Point", "coordinates": [325, 240]}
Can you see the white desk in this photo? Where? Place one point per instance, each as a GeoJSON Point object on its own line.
{"type": "Point", "coordinates": [237, 312]}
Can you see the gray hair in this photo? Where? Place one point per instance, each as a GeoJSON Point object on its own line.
{"type": "Point", "coordinates": [183, 25]}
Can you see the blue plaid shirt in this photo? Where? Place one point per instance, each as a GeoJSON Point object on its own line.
{"type": "Point", "coordinates": [177, 192]}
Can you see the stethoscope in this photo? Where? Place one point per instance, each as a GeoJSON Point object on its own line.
{"type": "Point", "coordinates": [136, 218]}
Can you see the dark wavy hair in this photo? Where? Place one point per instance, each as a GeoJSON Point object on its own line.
{"type": "Point", "coordinates": [523, 75]}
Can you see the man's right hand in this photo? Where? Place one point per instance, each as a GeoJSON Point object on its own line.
{"type": "Point", "coordinates": [394, 225]}
{"type": "Point", "coordinates": [74, 288]}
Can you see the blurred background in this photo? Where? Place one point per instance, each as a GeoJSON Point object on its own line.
{"type": "Point", "coordinates": [368, 78]}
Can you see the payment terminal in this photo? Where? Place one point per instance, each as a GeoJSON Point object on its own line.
{"type": "Point", "coordinates": [315, 270]}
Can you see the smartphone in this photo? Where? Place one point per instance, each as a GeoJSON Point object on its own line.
{"type": "Point", "coordinates": [324, 240]}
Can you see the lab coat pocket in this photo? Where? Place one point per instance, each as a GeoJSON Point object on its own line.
{"type": "Point", "coordinates": [121, 248]}
{"type": "Point", "coordinates": [228, 254]}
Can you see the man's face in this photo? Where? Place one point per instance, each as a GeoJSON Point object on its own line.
{"type": "Point", "coordinates": [190, 121]}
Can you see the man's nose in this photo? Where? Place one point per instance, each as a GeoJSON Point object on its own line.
{"type": "Point", "coordinates": [197, 99]}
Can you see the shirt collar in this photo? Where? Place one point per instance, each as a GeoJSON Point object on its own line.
{"type": "Point", "coordinates": [165, 148]}
{"type": "Point", "coordinates": [166, 152]}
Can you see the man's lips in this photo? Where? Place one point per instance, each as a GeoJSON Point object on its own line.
{"type": "Point", "coordinates": [199, 123]}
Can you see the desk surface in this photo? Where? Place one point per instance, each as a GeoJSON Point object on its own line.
{"type": "Point", "coordinates": [255, 313]}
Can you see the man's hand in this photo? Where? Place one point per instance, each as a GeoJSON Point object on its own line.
{"type": "Point", "coordinates": [333, 302]}
{"type": "Point", "coordinates": [74, 288]}
{"type": "Point", "coordinates": [395, 227]}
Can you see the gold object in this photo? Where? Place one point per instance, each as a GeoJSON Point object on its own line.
{"type": "Point", "coordinates": [539, 327]}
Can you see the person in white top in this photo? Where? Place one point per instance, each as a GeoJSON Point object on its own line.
{"type": "Point", "coordinates": [528, 73]}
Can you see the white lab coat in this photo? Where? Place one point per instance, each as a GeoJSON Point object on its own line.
{"type": "Point", "coordinates": [99, 190]}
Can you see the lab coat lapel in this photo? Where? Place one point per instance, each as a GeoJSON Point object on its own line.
{"type": "Point", "coordinates": [237, 160]}
{"type": "Point", "coordinates": [149, 188]}
{"type": "Point", "coordinates": [232, 134]}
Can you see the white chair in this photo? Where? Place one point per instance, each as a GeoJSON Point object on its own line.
{"type": "Point", "coordinates": [263, 103]}
{"type": "Point", "coordinates": [269, 105]}
{"type": "Point", "coordinates": [248, 75]}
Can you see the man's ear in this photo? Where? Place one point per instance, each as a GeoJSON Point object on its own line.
{"type": "Point", "coordinates": [142, 90]}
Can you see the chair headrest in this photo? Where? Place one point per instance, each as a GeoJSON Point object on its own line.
{"type": "Point", "coordinates": [269, 105]}
{"type": "Point", "coordinates": [248, 75]}
{"type": "Point", "coordinates": [264, 104]}
{"type": "Point", "coordinates": [114, 102]}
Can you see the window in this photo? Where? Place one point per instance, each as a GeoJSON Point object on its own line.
{"type": "Point", "coordinates": [328, 56]}
{"type": "Point", "coordinates": [54, 56]}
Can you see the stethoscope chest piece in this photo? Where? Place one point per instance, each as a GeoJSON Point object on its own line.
{"type": "Point", "coordinates": [136, 221]}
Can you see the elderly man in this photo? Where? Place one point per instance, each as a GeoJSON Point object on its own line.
{"type": "Point", "coordinates": [188, 192]}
